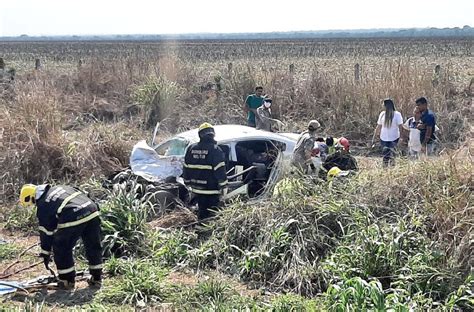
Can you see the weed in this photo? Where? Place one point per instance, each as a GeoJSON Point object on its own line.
{"type": "Point", "coordinates": [136, 282]}
{"type": "Point", "coordinates": [170, 248]}
{"type": "Point", "coordinates": [8, 251]}
{"type": "Point", "coordinates": [124, 221]}
{"type": "Point", "coordinates": [293, 303]}
{"type": "Point", "coordinates": [22, 219]}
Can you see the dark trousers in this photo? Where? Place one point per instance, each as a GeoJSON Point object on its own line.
{"type": "Point", "coordinates": [206, 202]}
{"type": "Point", "coordinates": [64, 241]}
{"type": "Point", "coordinates": [388, 152]}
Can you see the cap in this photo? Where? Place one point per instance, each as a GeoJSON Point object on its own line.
{"type": "Point", "coordinates": [313, 125]}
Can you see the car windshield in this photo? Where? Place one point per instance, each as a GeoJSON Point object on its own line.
{"type": "Point", "coordinates": [173, 147]}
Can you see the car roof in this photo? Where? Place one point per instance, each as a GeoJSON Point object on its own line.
{"type": "Point", "coordinates": [226, 133]}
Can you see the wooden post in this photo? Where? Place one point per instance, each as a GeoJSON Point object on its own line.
{"type": "Point", "coordinates": [357, 72]}
{"type": "Point", "coordinates": [292, 68]}
{"type": "Point", "coordinates": [37, 64]}
{"type": "Point", "coordinates": [437, 76]}
{"type": "Point", "coordinates": [2, 63]}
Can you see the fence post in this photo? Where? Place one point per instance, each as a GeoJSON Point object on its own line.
{"type": "Point", "coordinates": [292, 68]}
{"type": "Point", "coordinates": [37, 64]}
{"type": "Point", "coordinates": [357, 72]}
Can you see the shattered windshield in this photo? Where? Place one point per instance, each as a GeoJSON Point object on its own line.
{"type": "Point", "coordinates": [173, 147]}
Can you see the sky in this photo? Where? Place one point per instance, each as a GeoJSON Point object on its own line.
{"type": "Point", "coordinates": [101, 17]}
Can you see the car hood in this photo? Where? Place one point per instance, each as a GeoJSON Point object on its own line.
{"type": "Point", "coordinates": [145, 162]}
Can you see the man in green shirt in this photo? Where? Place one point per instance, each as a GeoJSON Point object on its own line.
{"type": "Point", "coordinates": [253, 102]}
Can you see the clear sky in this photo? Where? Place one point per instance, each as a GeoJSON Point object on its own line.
{"type": "Point", "coordinates": [69, 17]}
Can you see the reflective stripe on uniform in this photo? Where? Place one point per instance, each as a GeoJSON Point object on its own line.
{"type": "Point", "coordinates": [202, 167]}
{"type": "Point", "coordinates": [221, 164]}
{"type": "Point", "coordinates": [45, 231]}
{"type": "Point", "coordinates": [203, 182]}
{"type": "Point", "coordinates": [74, 223]}
{"type": "Point", "coordinates": [67, 200]}
{"type": "Point", "coordinates": [45, 252]}
{"type": "Point", "coordinates": [223, 183]}
{"type": "Point", "coordinates": [66, 271]}
{"type": "Point", "coordinates": [206, 192]}
{"type": "Point", "coordinates": [95, 267]}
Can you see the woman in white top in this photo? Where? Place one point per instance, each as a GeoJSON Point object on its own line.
{"type": "Point", "coordinates": [389, 128]}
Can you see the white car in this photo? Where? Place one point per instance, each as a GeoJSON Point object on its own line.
{"type": "Point", "coordinates": [255, 159]}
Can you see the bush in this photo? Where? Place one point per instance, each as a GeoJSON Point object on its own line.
{"type": "Point", "coordinates": [281, 242]}
{"type": "Point", "coordinates": [124, 221]}
{"type": "Point", "coordinates": [158, 97]}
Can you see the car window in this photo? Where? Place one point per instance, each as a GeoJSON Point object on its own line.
{"type": "Point", "coordinates": [172, 147]}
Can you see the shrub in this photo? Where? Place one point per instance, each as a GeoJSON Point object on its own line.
{"type": "Point", "coordinates": [124, 222]}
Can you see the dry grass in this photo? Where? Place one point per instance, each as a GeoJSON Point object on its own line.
{"type": "Point", "coordinates": [67, 122]}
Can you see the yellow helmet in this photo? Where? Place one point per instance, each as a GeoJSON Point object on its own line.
{"type": "Point", "coordinates": [206, 129]}
{"type": "Point", "coordinates": [333, 172]}
{"type": "Point", "coordinates": [27, 194]}
{"type": "Point", "coordinates": [205, 125]}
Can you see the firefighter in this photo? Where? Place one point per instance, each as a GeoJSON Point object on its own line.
{"type": "Point", "coordinates": [65, 214]}
{"type": "Point", "coordinates": [204, 171]}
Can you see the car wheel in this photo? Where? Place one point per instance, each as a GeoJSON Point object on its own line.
{"type": "Point", "coordinates": [163, 201]}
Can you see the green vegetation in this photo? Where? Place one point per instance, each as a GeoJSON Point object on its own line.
{"type": "Point", "coordinates": [324, 245]}
{"type": "Point", "coordinates": [21, 219]}
{"type": "Point", "coordinates": [8, 251]}
{"type": "Point", "coordinates": [398, 239]}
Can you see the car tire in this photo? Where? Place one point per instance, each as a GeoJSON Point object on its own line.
{"type": "Point", "coordinates": [163, 201]}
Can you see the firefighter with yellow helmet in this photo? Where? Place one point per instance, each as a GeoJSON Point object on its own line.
{"type": "Point", "coordinates": [66, 214]}
{"type": "Point", "coordinates": [204, 171]}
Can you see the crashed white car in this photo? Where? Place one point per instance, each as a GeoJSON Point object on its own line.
{"type": "Point", "coordinates": [255, 159]}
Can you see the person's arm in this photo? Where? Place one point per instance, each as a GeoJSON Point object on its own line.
{"type": "Point", "coordinates": [218, 166]}
{"type": "Point", "coordinates": [406, 125]}
{"type": "Point", "coordinates": [308, 148]}
{"type": "Point", "coordinates": [47, 225]}
{"type": "Point", "coordinates": [376, 132]}
{"type": "Point", "coordinates": [186, 175]}
{"type": "Point", "coordinates": [429, 125]}
{"type": "Point", "coordinates": [400, 125]}
{"type": "Point", "coordinates": [246, 105]}
{"type": "Point", "coordinates": [428, 133]}
{"type": "Point", "coordinates": [379, 127]}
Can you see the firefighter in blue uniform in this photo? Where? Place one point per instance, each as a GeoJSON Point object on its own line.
{"type": "Point", "coordinates": [65, 214]}
{"type": "Point", "coordinates": [204, 171]}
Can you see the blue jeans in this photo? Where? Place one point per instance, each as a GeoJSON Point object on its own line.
{"type": "Point", "coordinates": [388, 151]}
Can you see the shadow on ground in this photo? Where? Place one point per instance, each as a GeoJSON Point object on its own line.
{"type": "Point", "coordinates": [59, 297]}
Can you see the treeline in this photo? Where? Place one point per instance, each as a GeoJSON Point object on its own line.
{"type": "Point", "coordinates": [463, 32]}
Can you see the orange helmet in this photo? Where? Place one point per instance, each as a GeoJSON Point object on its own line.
{"type": "Point", "coordinates": [344, 143]}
